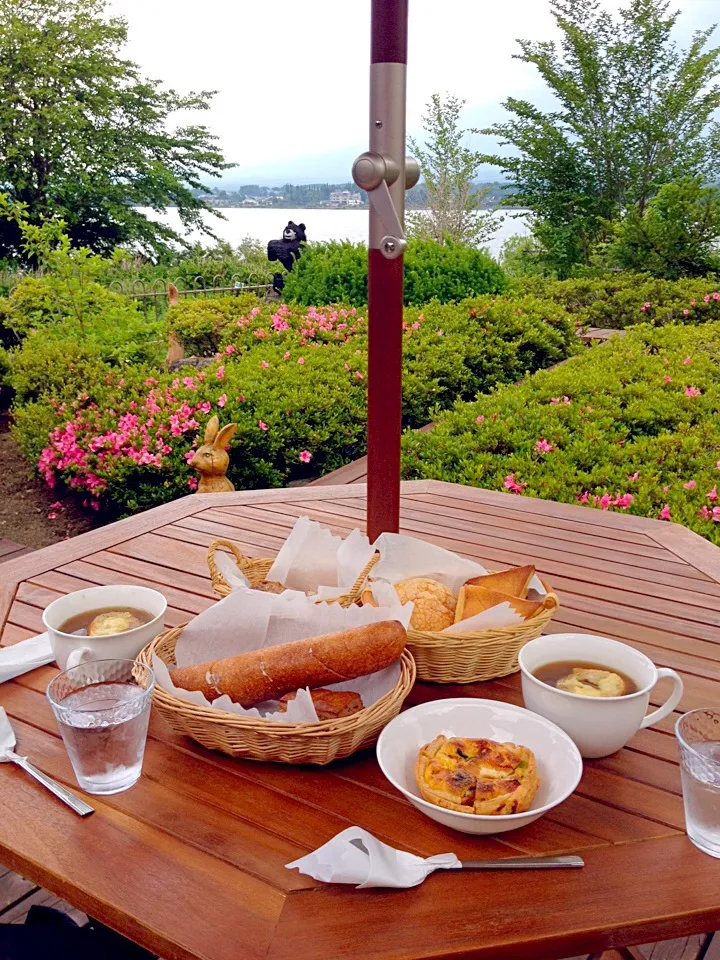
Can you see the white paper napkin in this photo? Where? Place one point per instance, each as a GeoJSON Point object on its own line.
{"type": "Point", "coordinates": [312, 556]}
{"type": "Point", "coordinates": [7, 736]}
{"type": "Point", "coordinates": [356, 856]}
{"type": "Point", "coordinates": [22, 657]}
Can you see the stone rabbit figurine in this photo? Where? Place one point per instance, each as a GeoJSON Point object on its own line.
{"type": "Point", "coordinates": [211, 460]}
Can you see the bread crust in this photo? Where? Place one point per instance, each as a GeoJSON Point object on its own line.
{"type": "Point", "coordinates": [267, 674]}
{"type": "Point", "coordinates": [515, 581]}
{"type": "Point", "coordinates": [483, 777]}
{"type": "Point", "coordinates": [329, 704]}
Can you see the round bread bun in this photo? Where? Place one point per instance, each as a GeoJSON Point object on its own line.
{"type": "Point", "coordinates": [434, 603]}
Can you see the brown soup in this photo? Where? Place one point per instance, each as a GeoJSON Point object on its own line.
{"type": "Point", "coordinates": [80, 624]}
{"type": "Point", "coordinates": [550, 673]}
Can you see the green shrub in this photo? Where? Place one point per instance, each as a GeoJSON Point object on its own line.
{"type": "Point", "coordinates": [200, 322]}
{"type": "Point", "coordinates": [337, 273]}
{"type": "Point", "coordinates": [622, 300]}
{"type": "Point", "coordinates": [294, 380]}
{"type": "Point", "coordinates": [632, 426]}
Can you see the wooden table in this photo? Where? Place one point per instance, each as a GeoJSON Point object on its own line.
{"type": "Point", "coordinates": [190, 862]}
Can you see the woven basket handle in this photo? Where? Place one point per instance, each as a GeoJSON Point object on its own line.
{"type": "Point", "coordinates": [551, 601]}
{"type": "Point", "coordinates": [220, 585]}
{"type": "Point", "coordinates": [355, 591]}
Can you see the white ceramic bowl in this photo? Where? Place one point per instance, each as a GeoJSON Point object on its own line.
{"type": "Point", "coordinates": [558, 759]}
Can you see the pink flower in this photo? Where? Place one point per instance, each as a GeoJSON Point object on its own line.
{"type": "Point", "coordinates": [667, 379]}
{"type": "Point", "coordinates": [646, 305]}
{"type": "Point", "coordinates": [220, 373]}
{"type": "Point", "coordinates": [416, 326]}
{"type": "Point", "coordinates": [623, 501]}
{"type": "Point", "coordinates": [241, 397]}
{"type": "Point", "coordinates": [692, 392]}
{"type": "Point", "coordinates": [301, 360]}
{"type": "Point", "coordinates": [511, 484]}
{"type": "Point", "coordinates": [706, 298]}
{"type": "Point", "coordinates": [583, 497]}
{"type": "Point", "coordinates": [716, 514]}
{"type": "Point", "coordinates": [264, 364]}
{"type": "Point", "coordinates": [421, 316]}
{"type": "Point", "coordinates": [56, 507]}
{"type": "Point", "coordinates": [52, 515]}
{"type": "Point", "coordinates": [665, 513]}
{"type": "Point", "coordinates": [222, 400]}
{"type": "Point", "coordinates": [263, 426]}
{"type": "Point", "coordinates": [230, 348]}
{"type": "Point", "coordinates": [286, 355]}
{"type": "Point", "coordinates": [542, 446]}
{"type": "Point", "coordinates": [479, 419]}
{"type": "Point", "coordinates": [359, 375]}
{"type": "Point", "coordinates": [716, 296]}
{"type": "Point", "coordinates": [705, 513]}
{"type": "Point", "coordinates": [712, 494]}
{"type": "Point", "coordinates": [193, 483]}
{"type": "Point", "coordinates": [690, 485]}
{"type": "Point", "coordinates": [687, 361]}
{"type": "Point", "coordinates": [151, 381]}
{"type": "Point", "coordinates": [189, 454]}
{"type": "Point", "coordinates": [305, 456]}
{"type": "Point", "coordinates": [604, 501]}
{"type": "Point", "coordinates": [439, 333]}
{"type": "Point", "coordinates": [204, 407]}
{"type": "Point", "coordinates": [686, 313]}
{"type": "Point", "coordinates": [665, 489]}
{"type": "Point", "coordinates": [634, 476]}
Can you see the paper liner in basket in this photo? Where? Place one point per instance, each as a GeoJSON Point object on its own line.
{"type": "Point", "coordinates": [251, 620]}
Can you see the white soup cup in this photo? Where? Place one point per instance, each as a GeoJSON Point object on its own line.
{"type": "Point", "coordinates": [70, 650]}
{"type": "Point", "coordinates": [598, 725]}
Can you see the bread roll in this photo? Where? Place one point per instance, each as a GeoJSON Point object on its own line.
{"type": "Point", "coordinates": [251, 678]}
{"type": "Point", "coordinates": [434, 604]}
{"type": "Point", "coordinates": [515, 582]}
{"type": "Point", "coordinates": [329, 704]}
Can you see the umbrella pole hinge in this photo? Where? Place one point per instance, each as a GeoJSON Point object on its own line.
{"type": "Point", "coordinates": [374, 173]}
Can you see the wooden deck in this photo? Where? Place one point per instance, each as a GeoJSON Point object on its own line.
{"type": "Point", "coordinates": [606, 568]}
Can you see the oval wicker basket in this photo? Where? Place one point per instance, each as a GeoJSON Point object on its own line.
{"type": "Point", "coordinates": [257, 571]}
{"type": "Point", "coordinates": [257, 739]}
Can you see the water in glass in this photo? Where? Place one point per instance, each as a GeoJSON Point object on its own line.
{"type": "Point", "coordinates": [102, 710]}
{"type": "Point", "coordinates": [698, 735]}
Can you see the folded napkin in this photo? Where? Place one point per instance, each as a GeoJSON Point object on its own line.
{"type": "Point", "coordinates": [356, 856]}
{"type": "Point", "coordinates": [24, 656]}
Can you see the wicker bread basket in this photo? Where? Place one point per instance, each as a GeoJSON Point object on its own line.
{"type": "Point", "coordinates": [257, 572]}
{"type": "Point", "coordinates": [257, 739]}
{"type": "Point", "coordinates": [480, 655]}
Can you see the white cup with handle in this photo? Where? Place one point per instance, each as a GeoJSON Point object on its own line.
{"type": "Point", "coordinates": [71, 649]}
{"type": "Point", "coordinates": [598, 725]}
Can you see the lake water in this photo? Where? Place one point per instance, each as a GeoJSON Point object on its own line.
{"type": "Point", "coordinates": [267, 224]}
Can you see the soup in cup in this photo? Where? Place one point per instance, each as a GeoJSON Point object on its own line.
{"type": "Point", "coordinates": [599, 724]}
{"type": "Point", "coordinates": [65, 619]}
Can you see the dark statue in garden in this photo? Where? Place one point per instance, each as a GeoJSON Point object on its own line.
{"type": "Point", "coordinates": [286, 251]}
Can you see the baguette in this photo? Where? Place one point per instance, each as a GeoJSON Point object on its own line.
{"type": "Point", "coordinates": [268, 674]}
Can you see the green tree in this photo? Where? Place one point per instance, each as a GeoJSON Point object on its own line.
{"type": "Point", "coordinates": [84, 137]}
{"type": "Point", "coordinates": [633, 112]}
{"type": "Point", "coordinates": [675, 235]}
{"type": "Point", "coordinates": [449, 168]}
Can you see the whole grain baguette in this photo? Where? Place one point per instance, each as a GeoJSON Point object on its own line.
{"type": "Point", "coordinates": [251, 678]}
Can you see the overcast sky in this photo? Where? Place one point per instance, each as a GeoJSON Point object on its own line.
{"type": "Point", "coordinates": [292, 75]}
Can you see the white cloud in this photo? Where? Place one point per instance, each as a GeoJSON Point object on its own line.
{"type": "Point", "coordinates": [292, 76]}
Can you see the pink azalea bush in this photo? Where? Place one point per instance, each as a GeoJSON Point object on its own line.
{"type": "Point", "coordinates": [628, 441]}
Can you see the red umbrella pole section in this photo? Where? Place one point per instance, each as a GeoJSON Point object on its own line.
{"type": "Point", "coordinates": [381, 172]}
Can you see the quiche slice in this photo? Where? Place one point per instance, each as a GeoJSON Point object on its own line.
{"type": "Point", "coordinates": [477, 776]}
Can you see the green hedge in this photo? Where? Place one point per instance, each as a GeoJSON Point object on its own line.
{"type": "Point", "coordinates": [622, 300]}
{"type": "Point", "coordinates": [294, 380]}
{"type": "Point", "coordinates": [633, 425]}
{"type": "Point", "coordinates": [337, 272]}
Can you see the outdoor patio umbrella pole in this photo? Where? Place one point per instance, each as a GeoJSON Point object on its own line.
{"type": "Point", "coordinates": [385, 173]}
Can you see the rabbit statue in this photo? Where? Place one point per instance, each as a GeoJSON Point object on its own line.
{"type": "Point", "coordinates": [211, 460]}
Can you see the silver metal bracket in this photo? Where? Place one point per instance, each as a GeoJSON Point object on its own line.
{"type": "Point", "coordinates": [374, 173]}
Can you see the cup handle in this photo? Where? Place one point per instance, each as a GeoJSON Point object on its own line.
{"type": "Point", "coordinates": [670, 703]}
{"type": "Point", "coordinates": [78, 656]}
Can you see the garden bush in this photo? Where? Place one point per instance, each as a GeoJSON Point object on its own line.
{"type": "Point", "coordinates": [622, 300]}
{"type": "Point", "coordinates": [629, 426]}
{"type": "Point", "coordinates": [294, 380]}
{"type": "Point", "coordinates": [199, 322]}
{"type": "Point", "coordinates": [337, 273]}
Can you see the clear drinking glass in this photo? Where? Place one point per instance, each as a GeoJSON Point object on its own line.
{"type": "Point", "coordinates": [102, 709]}
{"type": "Point", "coordinates": [698, 734]}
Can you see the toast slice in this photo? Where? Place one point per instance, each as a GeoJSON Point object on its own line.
{"type": "Point", "coordinates": [475, 599]}
{"type": "Point", "coordinates": [515, 582]}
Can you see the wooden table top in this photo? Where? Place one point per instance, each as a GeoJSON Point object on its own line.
{"type": "Point", "coordinates": [190, 862]}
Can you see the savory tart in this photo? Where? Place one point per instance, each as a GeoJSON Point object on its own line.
{"type": "Point", "coordinates": [477, 776]}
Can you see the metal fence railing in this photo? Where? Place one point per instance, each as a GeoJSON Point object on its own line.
{"type": "Point", "coordinates": [153, 295]}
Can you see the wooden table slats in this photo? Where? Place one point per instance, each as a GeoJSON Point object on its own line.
{"type": "Point", "coordinates": [190, 862]}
